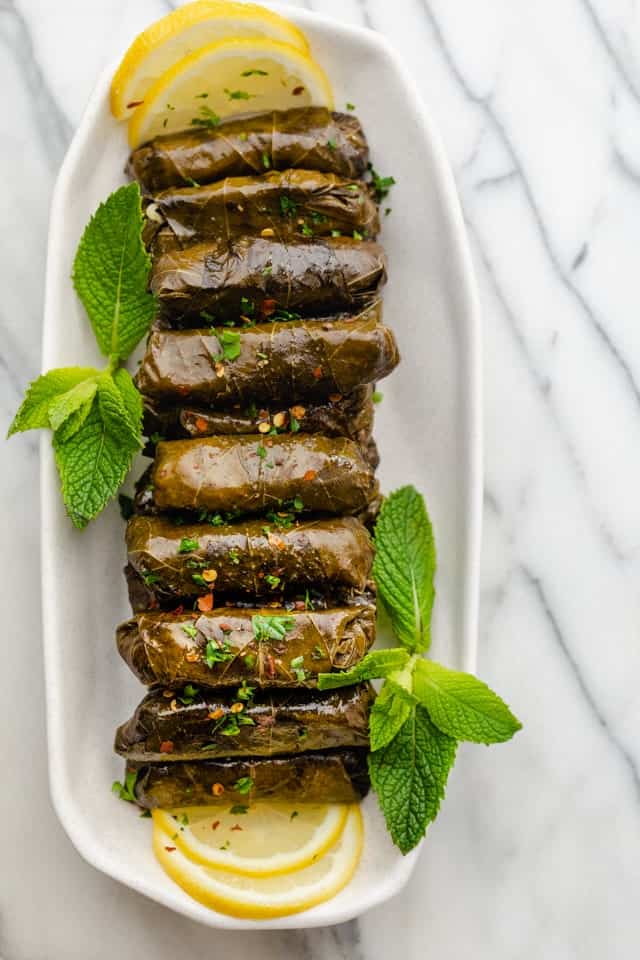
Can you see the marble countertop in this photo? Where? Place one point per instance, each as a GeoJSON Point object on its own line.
{"type": "Point", "coordinates": [537, 850]}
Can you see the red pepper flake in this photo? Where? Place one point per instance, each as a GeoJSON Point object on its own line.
{"type": "Point", "coordinates": [236, 827]}
{"type": "Point", "coordinates": [179, 609]}
{"type": "Point", "coordinates": [268, 307]}
{"type": "Point", "coordinates": [317, 372]}
{"type": "Point", "coordinates": [166, 746]}
{"type": "Point", "coordinates": [205, 604]}
{"type": "Point", "coordinates": [134, 103]}
{"type": "Point", "coordinates": [310, 475]}
{"type": "Point", "coordinates": [201, 424]}
{"type": "Point", "coordinates": [215, 824]}
{"type": "Point", "coordinates": [169, 849]}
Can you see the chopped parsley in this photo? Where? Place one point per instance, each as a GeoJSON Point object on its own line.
{"type": "Point", "coordinates": [306, 230]}
{"type": "Point", "coordinates": [230, 342]}
{"type": "Point", "coordinates": [377, 396]}
{"type": "Point", "coordinates": [271, 627]}
{"type": "Point", "coordinates": [150, 578]}
{"type": "Point", "coordinates": [126, 790]}
{"type": "Point", "coordinates": [187, 545]}
{"type": "Point", "coordinates": [332, 144]}
{"type": "Point", "coordinates": [294, 426]}
{"type": "Point", "coordinates": [272, 581]}
{"type": "Point", "coordinates": [208, 118]}
{"type": "Point", "coordinates": [217, 653]}
{"type": "Point", "coordinates": [190, 630]}
{"type": "Point", "coordinates": [297, 665]}
{"type": "Point", "coordinates": [188, 694]}
{"type": "Point", "coordinates": [238, 94]}
{"type": "Point", "coordinates": [288, 207]}
{"type": "Point", "coordinates": [381, 185]}
{"type": "Point", "coordinates": [350, 106]}
{"type": "Point", "coordinates": [357, 236]}
{"type": "Point", "coordinates": [266, 162]}
{"type": "Point", "coordinates": [234, 556]}
{"type": "Point", "coordinates": [243, 784]}
{"type": "Point", "coordinates": [261, 451]}
{"type": "Point", "coordinates": [199, 579]}
{"type": "Point", "coordinates": [254, 73]}
{"type": "Point", "coordinates": [336, 233]}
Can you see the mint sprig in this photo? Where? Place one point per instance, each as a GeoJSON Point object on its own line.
{"type": "Point", "coordinates": [423, 709]}
{"type": "Point", "coordinates": [96, 415]}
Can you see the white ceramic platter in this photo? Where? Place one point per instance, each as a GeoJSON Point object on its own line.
{"type": "Point", "coordinates": [427, 427]}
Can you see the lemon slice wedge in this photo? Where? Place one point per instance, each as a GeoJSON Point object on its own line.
{"type": "Point", "coordinates": [265, 839]}
{"type": "Point", "coordinates": [228, 78]}
{"type": "Point", "coordinates": [184, 30]}
{"type": "Point", "coordinates": [263, 897]}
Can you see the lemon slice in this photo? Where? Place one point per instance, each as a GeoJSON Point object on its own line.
{"type": "Point", "coordinates": [184, 30]}
{"type": "Point", "coordinates": [263, 897]}
{"type": "Point", "coordinates": [265, 839]}
{"type": "Point", "coordinates": [227, 78]}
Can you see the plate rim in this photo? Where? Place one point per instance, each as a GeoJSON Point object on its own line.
{"type": "Point", "coordinates": [62, 799]}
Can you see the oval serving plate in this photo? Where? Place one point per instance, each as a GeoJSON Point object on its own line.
{"type": "Point", "coordinates": [428, 430]}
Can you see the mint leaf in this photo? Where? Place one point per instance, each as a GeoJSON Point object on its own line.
{"type": "Point", "coordinates": [120, 406]}
{"type": "Point", "coordinates": [34, 409]}
{"type": "Point", "coordinates": [380, 663]}
{"type": "Point", "coordinates": [409, 776]}
{"type": "Point", "coordinates": [391, 709]}
{"type": "Point", "coordinates": [73, 422]}
{"type": "Point", "coordinates": [67, 403]}
{"type": "Point", "coordinates": [463, 706]}
{"type": "Point", "coordinates": [110, 273]}
{"type": "Point", "coordinates": [404, 566]}
{"type": "Point", "coordinates": [92, 465]}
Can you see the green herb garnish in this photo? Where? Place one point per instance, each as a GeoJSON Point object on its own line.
{"type": "Point", "coordinates": [126, 790]}
{"type": "Point", "coordinates": [187, 545]}
{"type": "Point", "coordinates": [208, 118]}
{"type": "Point", "coordinates": [381, 185]}
{"type": "Point", "coordinates": [254, 73]}
{"type": "Point", "coordinates": [230, 342]}
{"type": "Point", "coordinates": [190, 630]}
{"type": "Point", "coordinates": [188, 694]}
{"type": "Point", "coordinates": [423, 708]}
{"type": "Point", "coordinates": [243, 784]}
{"type": "Point", "coordinates": [238, 94]}
{"type": "Point", "coordinates": [217, 653]}
{"type": "Point", "coordinates": [96, 415]}
{"type": "Point", "coordinates": [271, 627]}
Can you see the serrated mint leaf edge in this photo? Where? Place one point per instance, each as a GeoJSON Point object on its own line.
{"type": "Point", "coordinates": [433, 685]}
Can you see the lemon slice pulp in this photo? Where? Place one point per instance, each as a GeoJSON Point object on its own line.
{"type": "Point", "coordinates": [262, 897]}
{"type": "Point", "coordinates": [265, 839]}
{"type": "Point", "coordinates": [184, 30]}
{"type": "Point", "coordinates": [228, 78]}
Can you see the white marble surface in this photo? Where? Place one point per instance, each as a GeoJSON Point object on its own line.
{"type": "Point", "coordinates": [537, 851]}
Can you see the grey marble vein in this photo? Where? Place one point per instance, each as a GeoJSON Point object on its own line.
{"type": "Point", "coordinates": [606, 43]}
{"type": "Point", "coordinates": [535, 585]}
{"type": "Point", "coordinates": [53, 127]}
{"type": "Point", "coordinates": [485, 105]}
{"type": "Point", "coordinates": [542, 384]}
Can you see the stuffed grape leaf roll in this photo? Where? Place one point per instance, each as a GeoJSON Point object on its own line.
{"type": "Point", "coordinates": [254, 474]}
{"type": "Point", "coordinates": [311, 138]}
{"type": "Point", "coordinates": [245, 723]}
{"type": "Point", "coordinates": [229, 647]}
{"type": "Point", "coordinates": [257, 276]}
{"type": "Point", "coordinates": [255, 558]}
{"type": "Point", "coordinates": [277, 363]}
{"type": "Point", "coordinates": [283, 204]}
{"type": "Point", "coordinates": [330, 776]}
{"type": "Point", "coordinates": [340, 416]}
